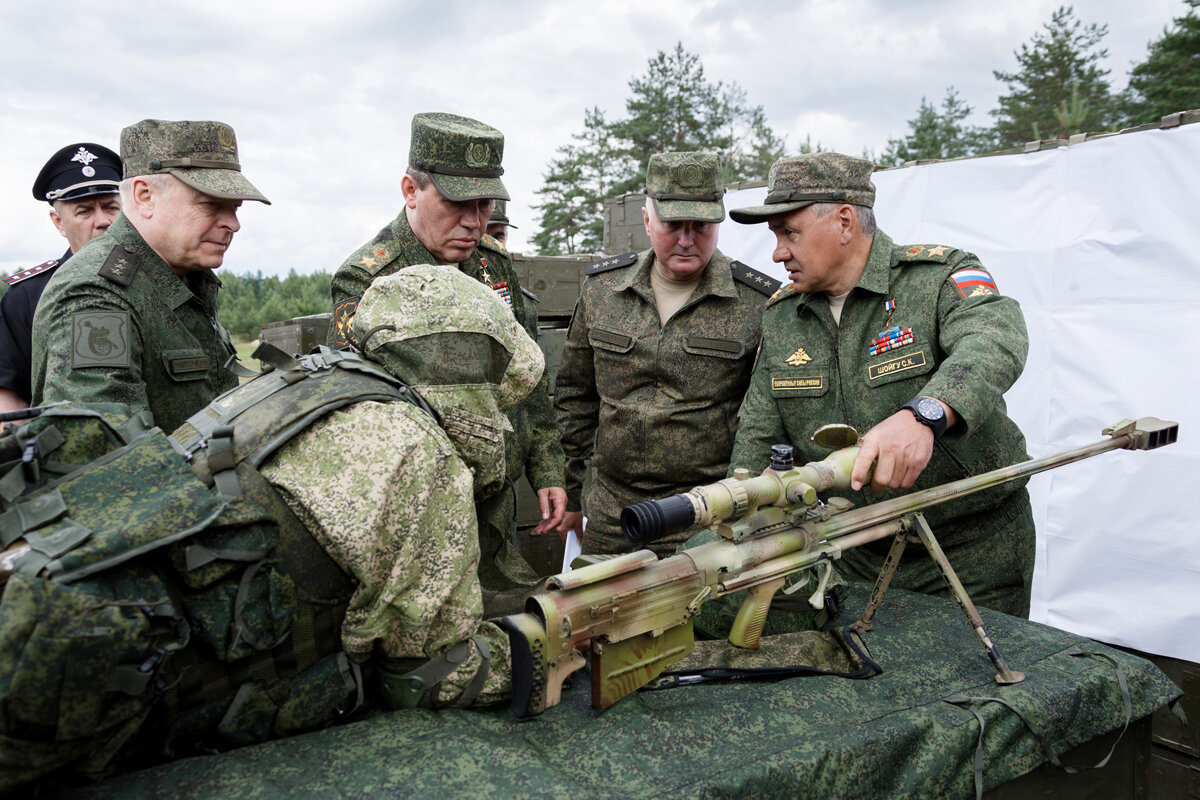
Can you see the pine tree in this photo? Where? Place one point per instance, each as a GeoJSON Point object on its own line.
{"type": "Point", "coordinates": [1058, 63]}
{"type": "Point", "coordinates": [1169, 79]}
{"type": "Point", "coordinates": [937, 135]}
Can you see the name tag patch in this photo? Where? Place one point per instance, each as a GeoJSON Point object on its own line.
{"type": "Point", "coordinates": [898, 364]}
{"type": "Point", "coordinates": [784, 384]}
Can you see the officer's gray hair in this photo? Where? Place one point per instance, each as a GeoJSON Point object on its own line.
{"type": "Point", "coordinates": [161, 183]}
{"type": "Point", "coordinates": [866, 216]}
{"type": "Point", "coordinates": [420, 177]}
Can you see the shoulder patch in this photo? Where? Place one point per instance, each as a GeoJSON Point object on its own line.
{"type": "Point", "coordinates": [530, 295]}
{"type": "Point", "coordinates": [754, 279]}
{"type": "Point", "coordinates": [784, 292]}
{"type": "Point", "coordinates": [612, 262]}
{"type": "Point", "coordinates": [100, 339]}
{"type": "Point", "coordinates": [974, 282]}
{"type": "Point", "coordinates": [13, 280]}
{"type": "Point", "coordinates": [938, 253]}
{"type": "Point", "coordinates": [120, 266]}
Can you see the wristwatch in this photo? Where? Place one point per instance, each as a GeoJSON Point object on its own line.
{"type": "Point", "coordinates": [928, 412]}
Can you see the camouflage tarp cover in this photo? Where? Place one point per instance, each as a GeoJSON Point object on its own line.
{"type": "Point", "coordinates": [890, 736]}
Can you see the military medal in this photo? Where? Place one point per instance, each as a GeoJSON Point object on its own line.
{"type": "Point", "coordinates": [503, 292]}
{"type": "Point", "coordinates": [890, 339]}
{"type": "Point", "coordinates": [889, 306]}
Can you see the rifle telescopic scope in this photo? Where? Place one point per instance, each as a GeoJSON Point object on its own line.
{"type": "Point", "coordinates": [651, 520]}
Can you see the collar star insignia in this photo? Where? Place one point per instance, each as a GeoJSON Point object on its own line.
{"type": "Point", "coordinates": [940, 250]}
{"type": "Point", "coordinates": [799, 358]}
{"type": "Point", "coordinates": [83, 156]}
{"type": "Point", "coordinates": [367, 261]}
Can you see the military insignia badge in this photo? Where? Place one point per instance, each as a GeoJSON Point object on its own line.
{"type": "Point", "coordinates": [915, 250]}
{"type": "Point", "coordinates": [974, 283]}
{"type": "Point", "coordinates": [367, 261]}
{"type": "Point", "coordinates": [938, 251]}
{"type": "Point", "coordinates": [381, 252]}
{"type": "Point", "coordinates": [343, 318]}
{"type": "Point", "coordinates": [84, 157]}
{"type": "Point", "coordinates": [477, 155]}
{"type": "Point", "coordinates": [798, 358]}
{"type": "Point", "coordinates": [100, 339]}
{"type": "Point", "coordinates": [890, 339]}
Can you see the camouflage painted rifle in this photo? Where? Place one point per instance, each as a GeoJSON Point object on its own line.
{"type": "Point", "coordinates": [636, 610]}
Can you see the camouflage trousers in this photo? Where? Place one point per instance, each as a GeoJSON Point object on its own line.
{"type": "Point", "coordinates": [504, 574]}
{"type": "Point", "coordinates": [992, 553]}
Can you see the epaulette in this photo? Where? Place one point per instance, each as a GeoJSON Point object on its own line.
{"type": "Point", "coordinates": [939, 254]}
{"type": "Point", "coordinates": [13, 280]}
{"type": "Point", "coordinates": [530, 295]}
{"type": "Point", "coordinates": [754, 279]}
{"type": "Point", "coordinates": [612, 262]}
{"type": "Point", "coordinates": [784, 292]}
{"type": "Point", "coordinates": [120, 266]}
{"type": "Point", "coordinates": [492, 243]}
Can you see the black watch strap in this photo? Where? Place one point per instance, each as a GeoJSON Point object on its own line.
{"type": "Point", "coordinates": [928, 411]}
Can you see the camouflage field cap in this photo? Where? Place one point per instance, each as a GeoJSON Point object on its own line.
{"type": "Point", "coordinates": [686, 187]}
{"type": "Point", "coordinates": [202, 154]}
{"type": "Point", "coordinates": [461, 155]}
{"type": "Point", "coordinates": [500, 215]}
{"type": "Point", "coordinates": [800, 181]}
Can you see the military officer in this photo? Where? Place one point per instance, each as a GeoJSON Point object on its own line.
{"type": "Point", "coordinates": [913, 344]}
{"type": "Point", "coordinates": [498, 223]}
{"type": "Point", "coordinates": [452, 180]}
{"type": "Point", "coordinates": [133, 317]}
{"type": "Point", "coordinates": [81, 183]}
{"type": "Point", "coordinates": [658, 356]}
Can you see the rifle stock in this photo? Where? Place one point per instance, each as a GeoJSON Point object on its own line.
{"type": "Point", "coordinates": [636, 610]}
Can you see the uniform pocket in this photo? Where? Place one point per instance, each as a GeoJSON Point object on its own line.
{"type": "Point", "coordinates": [191, 364]}
{"type": "Point", "coordinates": [718, 348]}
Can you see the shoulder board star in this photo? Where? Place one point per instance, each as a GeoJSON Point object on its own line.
{"type": "Point", "coordinates": [753, 278]}
{"type": "Point", "coordinates": [13, 280]}
{"type": "Point", "coordinates": [368, 261]}
{"type": "Point", "coordinates": [938, 251]}
{"type": "Point", "coordinates": [784, 292]}
{"type": "Point", "coordinates": [612, 262]}
{"type": "Point", "coordinates": [120, 266]}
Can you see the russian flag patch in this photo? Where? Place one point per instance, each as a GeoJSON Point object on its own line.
{"type": "Point", "coordinates": [974, 283]}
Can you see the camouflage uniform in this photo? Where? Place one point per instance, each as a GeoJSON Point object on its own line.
{"type": "Point", "coordinates": [653, 406]}
{"type": "Point", "coordinates": [532, 446]}
{"type": "Point", "coordinates": [116, 324]}
{"type": "Point", "coordinates": [968, 346]}
{"type": "Point", "coordinates": [389, 494]}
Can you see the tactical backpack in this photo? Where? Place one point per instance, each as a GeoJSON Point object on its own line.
{"type": "Point", "coordinates": [163, 599]}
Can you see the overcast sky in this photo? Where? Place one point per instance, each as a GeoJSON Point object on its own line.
{"type": "Point", "coordinates": [321, 95]}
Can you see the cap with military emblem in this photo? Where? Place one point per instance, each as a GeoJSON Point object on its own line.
{"type": "Point", "coordinates": [78, 170]}
{"type": "Point", "coordinates": [799, 181]}
{"type": "Point", "coordinates": [202, 154]}
{"type": "Point", "coordinates": [461, 155]}
{"type": "Point", "coordinates": [686, 187]}
{"type": "Point", "coordinates": [500, 215]}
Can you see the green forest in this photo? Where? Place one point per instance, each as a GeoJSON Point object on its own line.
{"type": "Point", "coordinates": [1059, 88]}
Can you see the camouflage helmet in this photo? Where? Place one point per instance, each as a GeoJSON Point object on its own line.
{"type": "Point", "coordinates": [461, 155]}
{"type": "Point", "coordinates": [202, 154]}
{"type": "Point", "coordinates": [456, 342]}
{"type": "Point", "coordinates": [686, 187]}
{"type": "Point", "coordinates": [799, 181]}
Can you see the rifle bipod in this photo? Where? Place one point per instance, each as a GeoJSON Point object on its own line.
{"type": "Point", "coordinates": [915, 529]}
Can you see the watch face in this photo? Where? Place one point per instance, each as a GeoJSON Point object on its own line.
{"type": "Point", "coordinates": [930, 409]}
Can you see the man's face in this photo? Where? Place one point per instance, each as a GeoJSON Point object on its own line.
{"type": "Point", "coordinates": [192, 230]}
{"type": "Point", "coordinates": [809, 247]}
{"type": "Point", "coordinates": [449, 230]}
{"type": "Point", "coordinates": [499, 232]}
{"type": "Point", "coordinates": [681, 249]}
{"type": "Point", "coordinates": [84, 219]}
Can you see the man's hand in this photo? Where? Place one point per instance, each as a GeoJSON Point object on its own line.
{"type": "Point", "coordinates": [571, 521]}
{"type": "Point", "coordinates": [553, 502]}
{"type": "Point", "coordinates": [900, 447]}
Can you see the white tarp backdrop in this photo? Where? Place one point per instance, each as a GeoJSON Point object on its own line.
{"type": "Point", "coordinates": [1100, 242]}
